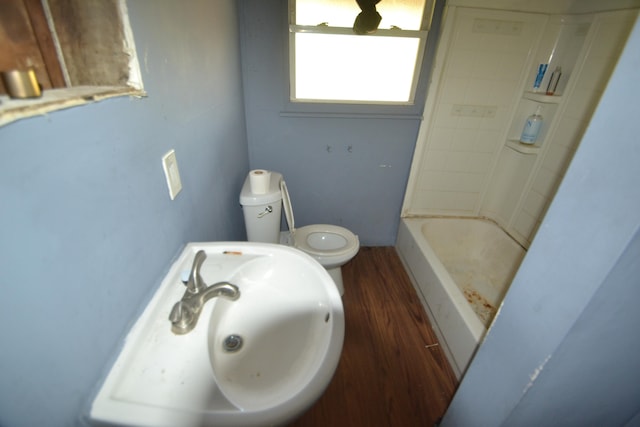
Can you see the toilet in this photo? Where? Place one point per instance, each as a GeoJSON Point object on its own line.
{"type": "Point", "coordinates": [332, 246]}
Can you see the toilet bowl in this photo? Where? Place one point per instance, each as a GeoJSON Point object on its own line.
{"type": "Point", "coordinates": [332, 246]}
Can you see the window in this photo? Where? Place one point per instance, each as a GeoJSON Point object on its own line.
{"type": "Point", "coordinates": [80, 51]}
{"type": "Point", "coordinates": [330, 63]}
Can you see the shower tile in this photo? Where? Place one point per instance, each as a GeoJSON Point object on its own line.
{"type": "Point", "coordinates": [612, 34]}
{"type": "Point", "coordinates": [501, 43]}
{"type": "Point", "coordinates": [468, 162]}
{"type": "Point", "coordinates": [582, 103]}
{"type": "Point", "coordinates": [569, 132]}
{"type": "Point", "coordinates": [452, 181]}
{"type": "Point", "coordinates": [454, 90]}
{"type": "Point", "coordinates": [487, 141]}
{"type": "Point", "coordinates": [525, 224]}
{"type": "Point", "coordinates": [474, 141]}
{"type": "Point", "coordinates": [436, 160]}
{"type": "Point", "coordinates": [595, 73]}
{"type": "Point", "coordinates": [535, 204]}
{"type": "Point", "coordinates": [464, 37]}
{"type": "Point", "coordinates": [495, 123]}
{"type": "Point", "coordinates": [464, 140]}
{"type": "Point", "coordinates": [503, 92]}
{"type": "Point", "coordinates": [441, 138]}
{"type": "Point", "coordinates": [478, 91]}
{"type": "Point", "coordinates": [556, 159]}
{"type": "Point", "coordinates": [469, 122]}
{"type": "Point", "coordinates": [444, 117]}
{"type": "Point", "coordinates": [511, 67]}
{"type": "Point", "coordinates": [487, 65]}
{"type": "Point", "coordinates": [545, 182]}
{"type": "Point", "coordinates": [460, 64]}
{"type": "Point", "coordinates": [452, 201]}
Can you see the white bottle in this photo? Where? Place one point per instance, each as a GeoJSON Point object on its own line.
{"type": "Point", "coordinates": [532, 127]}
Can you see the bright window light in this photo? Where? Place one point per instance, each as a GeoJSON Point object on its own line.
{"type": "Point", "coordinates": [329, 63]}
{"type": "Point", "coordinates": [354, 68]}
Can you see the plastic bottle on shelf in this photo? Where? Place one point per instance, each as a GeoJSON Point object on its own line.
{"type": "Point", "coordinates": [553, 81]}
{"type": "Point", "coordinates": [532, 127]}
{"type": "Point", "coordinates": [542, 68]}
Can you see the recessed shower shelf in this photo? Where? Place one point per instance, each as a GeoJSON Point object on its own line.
{"type": "Point", "coordinates": [523, 148]}
{"type": "Point", "coordinates": [542, 97]}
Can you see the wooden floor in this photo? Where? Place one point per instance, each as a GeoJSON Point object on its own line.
{"type": "Point", "coordinates": [390, 372]}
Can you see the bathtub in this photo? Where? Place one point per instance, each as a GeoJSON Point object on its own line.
{"type": "Point", "coordinates": [461, 268]}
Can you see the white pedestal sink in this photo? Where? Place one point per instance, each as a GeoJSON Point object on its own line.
{"type": "Point", "coordinates": [290, 322]}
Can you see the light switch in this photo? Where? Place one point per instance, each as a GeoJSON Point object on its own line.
{"type": "Point", "coordinates": [171, 172]}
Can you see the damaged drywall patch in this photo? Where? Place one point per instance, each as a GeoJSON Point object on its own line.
{"type": "Point", "coordinates": [129, 47]}
{"type": "Point", "coordinates": [97, 54]}
{"type": "Point", "coordinates": [58, 99]}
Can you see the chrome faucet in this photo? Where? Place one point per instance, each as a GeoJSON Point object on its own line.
{"type": "Point", "coordinates": [184, 314]}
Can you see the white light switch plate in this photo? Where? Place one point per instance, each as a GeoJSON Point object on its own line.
{"type": "Point", "coordinates": [171, 172]}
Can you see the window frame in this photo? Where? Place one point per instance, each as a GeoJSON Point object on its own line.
{"type": "Point", "coordinates": [302, 104]}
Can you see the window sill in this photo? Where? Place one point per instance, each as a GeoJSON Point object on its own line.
{"type": "Point", "coordinates": [341, 115]}
{"type": "Point", "coordinates": [350, 111]}
{"type": "Point", "coordinates": [58, 99]}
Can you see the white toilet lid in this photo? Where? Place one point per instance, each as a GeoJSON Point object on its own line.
{"type": "Point", "coordinates": [286, 203]}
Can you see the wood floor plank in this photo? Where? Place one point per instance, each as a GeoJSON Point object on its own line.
{"type": "Point", "coordinates": [390, 373]}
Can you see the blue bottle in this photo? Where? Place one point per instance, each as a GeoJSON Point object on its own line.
{"type": "Point", "coordinates": [532, 127]}
{"type": "Point", "coordinates": [542, 68]}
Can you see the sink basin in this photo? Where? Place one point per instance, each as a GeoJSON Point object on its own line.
{"type": "Point", "coordinates": [262, 359]}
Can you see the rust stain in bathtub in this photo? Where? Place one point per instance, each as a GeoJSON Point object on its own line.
{"type": "Point", "coordinates": [480, 305]}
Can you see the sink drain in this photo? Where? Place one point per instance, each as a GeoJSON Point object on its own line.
{"type": "Point", "coordinates": [232, 343]}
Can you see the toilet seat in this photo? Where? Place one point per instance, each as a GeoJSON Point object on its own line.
{"type": "Point", "coordinates": [325, 240]}
{"type": "Point", "coordinates": [327, 243]}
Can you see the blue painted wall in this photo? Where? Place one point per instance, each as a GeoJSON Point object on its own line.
{"type": "Point", "coordinates": [349, 170]}
{"type": "Point", "coordinates": [88, 228]}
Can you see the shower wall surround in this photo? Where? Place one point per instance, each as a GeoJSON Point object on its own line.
{"type": "Point", "coordinates": [468, 161]}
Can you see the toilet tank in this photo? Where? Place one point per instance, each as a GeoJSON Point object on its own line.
{"type": "Point", "coordinates": [262, 212]}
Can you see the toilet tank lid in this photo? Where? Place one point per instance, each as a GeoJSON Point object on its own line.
{"type": "Point", "coordinates": [247, 198]}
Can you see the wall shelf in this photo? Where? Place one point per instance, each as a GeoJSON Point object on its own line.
{"type": "Point", "coordinates": [523, 148]}
{"type": "Point", "coordinates": [542, 97]}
